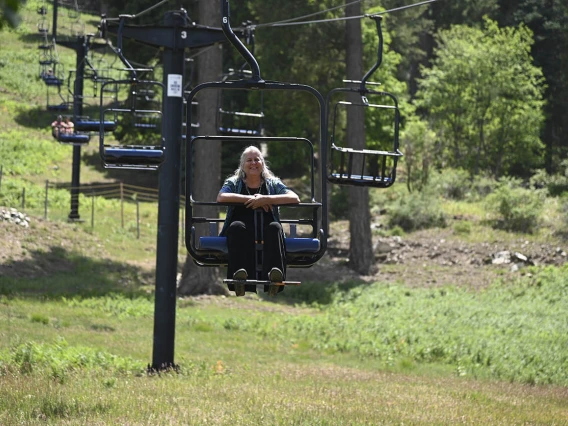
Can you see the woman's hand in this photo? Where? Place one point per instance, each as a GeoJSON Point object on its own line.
{"type": "Point", "coordinates": [258, 201]}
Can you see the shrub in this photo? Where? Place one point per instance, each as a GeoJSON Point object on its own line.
{"type": "Point", "coordinates": [454, 184]}
{"type": "Point", "coordinates": [481, 187]}
{"type": "Point", "coordinates": [518, 208]}
{"type": "Point", "coordinates": [417, 211]}
{"type": "Point", "coordinates": [555, 184]}
{"type": "Point", "coordinates": [462, 228]}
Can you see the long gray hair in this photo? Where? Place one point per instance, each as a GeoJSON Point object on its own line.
{"type": "Point", "coordinates": [240, 172]}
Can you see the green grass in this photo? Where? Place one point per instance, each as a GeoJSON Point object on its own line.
{"type": "Point", "coordinates": [82, 360]}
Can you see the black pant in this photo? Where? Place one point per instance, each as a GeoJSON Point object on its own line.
{"type": "Point", "coordinates": [241, 246]}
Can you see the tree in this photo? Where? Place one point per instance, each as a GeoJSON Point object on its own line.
{"type": "Point", "coordinates": [548, 19]}
{"type": "Point", "coordinates": [205, 280]}
{"type": "Point", "coordinates": [484, 98]}
{"type": "Point", "coordinates": [361, 246]}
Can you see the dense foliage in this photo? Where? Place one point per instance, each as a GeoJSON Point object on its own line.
{"type": "Point", "coordinates": [484, 99]}
{"type": "Point", "coordinates": [508, 118]}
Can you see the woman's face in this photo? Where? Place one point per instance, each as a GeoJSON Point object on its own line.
{"type": "Point", "coordinates": [253, 164]}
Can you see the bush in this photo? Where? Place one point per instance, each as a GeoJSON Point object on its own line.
{"type": "Point", "coordinates": [481, 187]}
{"type": "Point", "coordinates": [417, 211]}
{"type": "Point", "coordinates": [518, 208]}
{"type": "Point", "coordinates": [452, 184]}
{"type": "Point", "coordinates": [462, 228]}
{"type": "Point", "coordinates": [554, 184]}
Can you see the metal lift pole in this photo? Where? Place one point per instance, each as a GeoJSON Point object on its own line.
{"type": "Point", "coordinates": [54, 24]}
{"type": "Point", "coordinates": [169, 200]}
{"type": "Point", "coordinates": [81, 49]}
{"type": "Point", "coordinates": [177, 34]}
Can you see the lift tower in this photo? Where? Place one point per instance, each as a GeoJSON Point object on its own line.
{"type": "Point", "coordinates": [176, 34]}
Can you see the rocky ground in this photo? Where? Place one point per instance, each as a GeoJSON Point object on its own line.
{"type": "Point", "coordinates": [426, 258]}
{"type": "Point", "coordinates": [436, 257]}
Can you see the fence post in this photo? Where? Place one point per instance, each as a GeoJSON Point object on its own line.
{"type": "Point", "coordinates": [1, 168]}
{"type": "Point", "coordinates": [46, 200]}
{"type": "Point", "coordinates": [92, 209]}
{"type": "Point", "coordinates": [122, 204]}
{"type": "Point", "coordinates": [137, 219]}
{"type": "Point", "coordinates": [23, 199]}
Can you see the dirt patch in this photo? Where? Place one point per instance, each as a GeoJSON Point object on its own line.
{"type": "Point", "coordinates": [434, 257]}
{"type": "Point", "coordinates": [43, 247]}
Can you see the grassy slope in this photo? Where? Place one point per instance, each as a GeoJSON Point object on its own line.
{"type": "Point", "coordinates": [67, 360]}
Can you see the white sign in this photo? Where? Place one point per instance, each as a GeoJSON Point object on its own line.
{"type": "Point", "coordinates": [174, 85]}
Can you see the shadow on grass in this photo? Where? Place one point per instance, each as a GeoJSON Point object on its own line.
{"type": "Point", "coordinates": [34, 118]}
{"type": "Point", "coordinates": [34, 37]}
{"type": "Point", "coordinates": [320, 293]}
{"type": "Point", "coordinates": [62, 273]}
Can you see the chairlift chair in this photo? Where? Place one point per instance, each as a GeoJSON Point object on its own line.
{"type": "Point", "coordinates": [234, 122]}
{"type": "Point", "coordinates": [212, 250]}
{"type": "Point", "coordinates": [231, 120]}
{"type": "Point", "coordinates": [136, 115]}
{"type": "Point", "coordinates": [75, 137]}
{"type": "Point", "coordinates": [365, 167]}
{"type": "Point", "coordinates": [129, 118]}
{"type": "Point", "coordinates": [54, 86]}
{"type": "Point", "coordinates": [43, 27]}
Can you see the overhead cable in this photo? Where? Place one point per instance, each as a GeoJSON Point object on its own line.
{"type": "Point", "coordinates": [345, 18]}
{"type": "Point", "coordinates": [309, 15]}
{"type": "Point", "coordinates": [140, 13]}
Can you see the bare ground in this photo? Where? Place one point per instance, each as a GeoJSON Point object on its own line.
{"type": "Point", "coordinates": [435, 257]}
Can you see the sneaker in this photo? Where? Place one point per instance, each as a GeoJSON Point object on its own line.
{"type": "Point", "coordinates": [240, 275]}
{"type": "Point", "coordinates": [275, 275]}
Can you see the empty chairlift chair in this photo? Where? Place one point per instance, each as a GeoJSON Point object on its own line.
{"type": "Point", "coordinates": [235, 121]}
{"type": "Point", "coordinates": [373, 165]}
{"type": "Point", "coordinates": [137, 129]}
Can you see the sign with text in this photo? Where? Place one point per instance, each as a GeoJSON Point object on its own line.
{"type": "Point", "coordinates": [174, 85]}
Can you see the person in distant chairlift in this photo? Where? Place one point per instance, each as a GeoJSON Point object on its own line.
{"type": "Point", "coordinates": [255, 187]}
{"type": "Point", "coordinates": [58, 127]}
{"type": "Point", "coordinates": [69, 126]}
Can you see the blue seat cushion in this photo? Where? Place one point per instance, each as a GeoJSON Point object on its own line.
{"type": "Point", "coordinates": [94, 126]}
{"type": "Point", "coordinates": [293, 245]}
{"type": "Point", "coordinates": [133, 156]}
{"type": "Point", "coordinates": [73, 138]}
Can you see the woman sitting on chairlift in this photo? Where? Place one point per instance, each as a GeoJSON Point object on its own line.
{"type": "Point", "coordinates": [255, 187]}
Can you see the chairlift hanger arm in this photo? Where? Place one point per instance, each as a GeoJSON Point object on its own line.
{"type": "Point", "coordinates": [231, 36]}
{"type": "Point", "coordinates": [377, 20]}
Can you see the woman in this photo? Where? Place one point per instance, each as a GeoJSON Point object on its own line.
{"type": "Point", "coordinates": [259, 193]}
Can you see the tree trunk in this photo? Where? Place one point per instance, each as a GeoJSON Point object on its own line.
{"type": "Point", "coordinates": [361, 245]}
{"type": "Point", "coordinates": [197, 280]}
